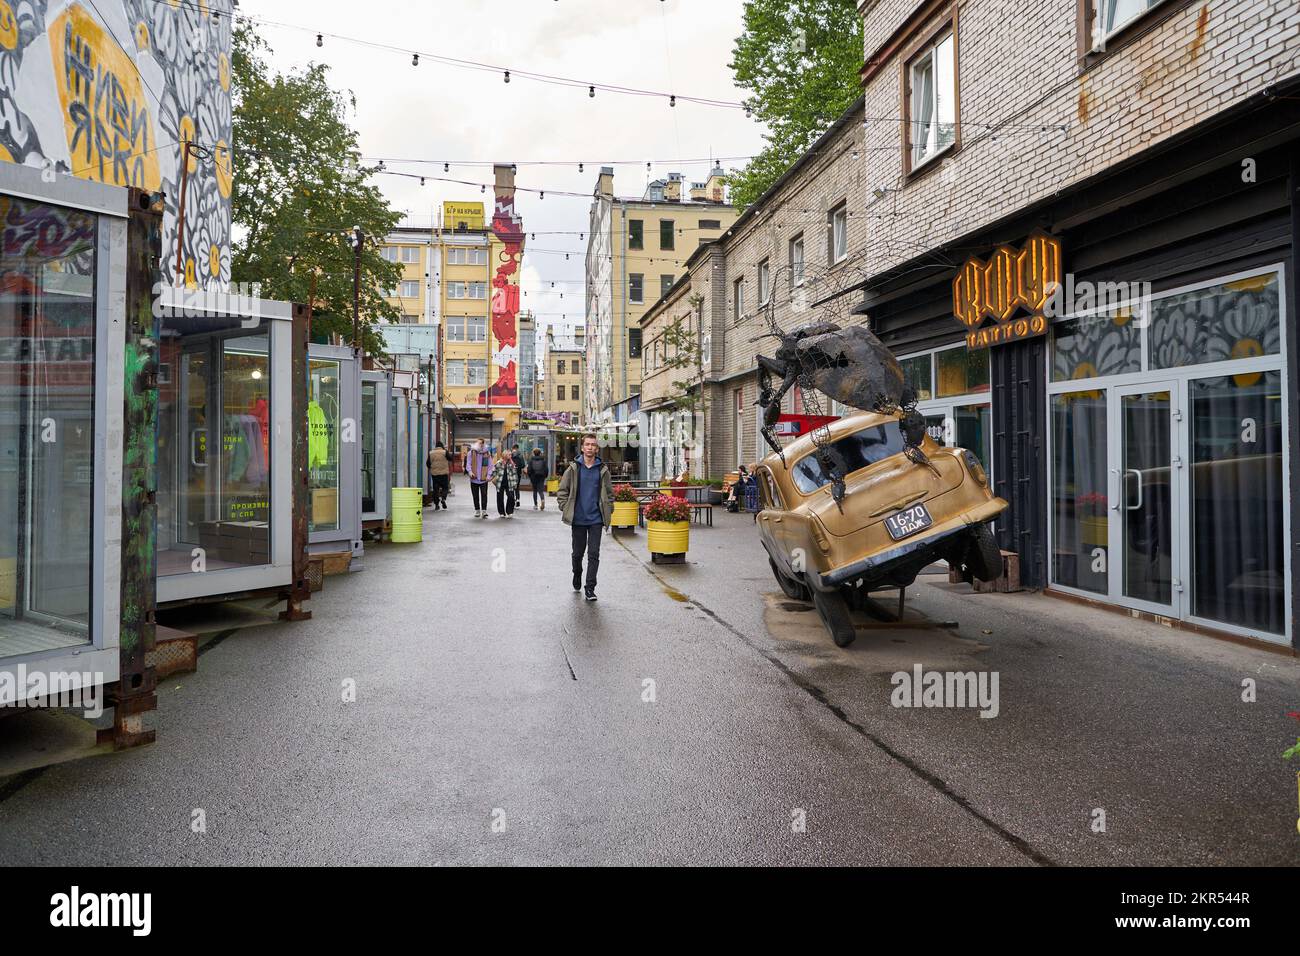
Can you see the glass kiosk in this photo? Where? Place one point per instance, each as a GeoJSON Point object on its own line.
{"type": "Point", "coordinates": [375, 473]}
{"type": "Point", "coordinates": [225, 523]}
{"type": "Point", "coordinates": [334, 442]}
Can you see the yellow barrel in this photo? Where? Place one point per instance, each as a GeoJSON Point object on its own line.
{"type": "Point", "coordinates": [625, 514]}
{"type": "Point", "coordinates": [667, 537]}
{"type": "Point", "coordinates": [407, 507]}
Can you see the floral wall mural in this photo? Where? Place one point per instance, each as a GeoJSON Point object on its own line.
{"type": "Point", "coordinates": [109, 90]}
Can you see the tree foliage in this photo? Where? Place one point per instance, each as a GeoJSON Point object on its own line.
{"type": "Point", "coordinates": [299, 189]}
{"type": "Point", "coordinates": [800, 60]}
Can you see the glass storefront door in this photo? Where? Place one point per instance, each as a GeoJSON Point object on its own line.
{"type": "Point", "coordinates": [1167, 463]}
{"type": "Point", "coordinates": [1144, 489]}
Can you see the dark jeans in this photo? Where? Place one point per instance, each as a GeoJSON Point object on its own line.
{"type": "Point", "coordinates": [438, 485]}
{"type": "Point", "coordinates": [539, 490]}
{"type": "Point", "coordinates": [586, 537]}
{"type": "Point", "coordinates": [505, 500]}
{"type": "Point", "coordinates": [480, 493]}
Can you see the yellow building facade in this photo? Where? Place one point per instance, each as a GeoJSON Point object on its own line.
{"type": "Point", "coordinates": [563, 387]}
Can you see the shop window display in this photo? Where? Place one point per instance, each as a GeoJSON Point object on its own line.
{"type": "Point", "coordinates": [323, 444]}
{"type": "Point", "coordinates": [1236, 320]}
{"type": "Point", "coordinates": [1096, 345]}
{"type": "Point", "coordinates": [47, 425]}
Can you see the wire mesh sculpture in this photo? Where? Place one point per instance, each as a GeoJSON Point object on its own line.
{"type": "Point", "coordinates": [829, 356]}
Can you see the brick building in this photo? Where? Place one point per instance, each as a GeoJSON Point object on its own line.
{"type": "Point", "coordinates": [1141, 419]}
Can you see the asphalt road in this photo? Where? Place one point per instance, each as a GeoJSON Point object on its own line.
{"type": "Point", "coordinates": [499, 718]}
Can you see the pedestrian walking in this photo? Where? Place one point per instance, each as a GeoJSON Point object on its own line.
{"type": "Point", "coordinates": [586, 498]}
{"type": "Point", "coordinates": [478, 465]}
{"type": "Point", "coordinates": [537, 476]}
{"type": "Point", "coordinates": [519, 459]}
{"type": "Point", "coordinates": [439, 465]}
{"type": "Point", "coordinates": [505, 475]}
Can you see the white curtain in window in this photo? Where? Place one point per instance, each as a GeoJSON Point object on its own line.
{"type": "Point", "coordinates": [923, 108]}
{"type": "Point", "coordinates": [945, 92]}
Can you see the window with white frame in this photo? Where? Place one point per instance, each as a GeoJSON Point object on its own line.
{"type": "Point", "coordinates": [455, 328]}
{"type": "Point", "coordinates": [476, 370]}
{"type": "Point", "coordinates": [410, 254]}
{"type": "Point", "coordinates": [476, 328]}
{"type": "Point", "coordinates": [466, 256]}
{"type": "Point", "coordinates": [764, 281]}
{"type": "Point", "coordinates": [388, 253]}
{"type": "Point", "coordinates": [410, 289]}
{"type": "Point", "coordinates": [932, 99]}
{"type": "Point", "coordinates": [738, 300]}
{"type": "Point", "coordinates": [478, 290]}
{"type": "Point", "coordinates": [796, 260]}
{"type": "Point", "coordinates": [455, 372]}
{"type": "Point", "coordinates": [837, 234]}
{"type": "Point", "coordinates": [1110, 16]}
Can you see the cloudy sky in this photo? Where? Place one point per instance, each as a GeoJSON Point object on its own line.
{"type": "Point", "coordinates": [463, 116]}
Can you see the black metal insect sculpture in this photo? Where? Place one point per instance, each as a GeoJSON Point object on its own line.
{"type": "Point", "coordinates": [850, 365]}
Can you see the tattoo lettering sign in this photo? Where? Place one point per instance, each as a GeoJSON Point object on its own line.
{"type": "Point", "coordinates": [1013, 288]}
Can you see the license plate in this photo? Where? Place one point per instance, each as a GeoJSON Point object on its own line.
{"type": "Point", "coordinates": [908, 521]}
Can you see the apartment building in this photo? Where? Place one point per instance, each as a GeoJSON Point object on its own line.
{"type": "Point", "coordinates": [1085, 247]}
{"type": "Point", "coordinates": [794, 256]}
{"type": "Point", "coordinates": [636, 249]}
{"type": "Point", "coordinates": [463, 276]}
{"type": "Point", "coordinates": [564, 380]}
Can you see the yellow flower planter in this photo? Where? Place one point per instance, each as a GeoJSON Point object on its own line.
{"type": "Point", "coordinates": [552, 485]}
{"type": "Point", "coordinates": [667, 537]}
{"type": "Point", "coordinates": [625, 514]}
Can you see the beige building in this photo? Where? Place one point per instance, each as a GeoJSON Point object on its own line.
{"type": "Point", "coordinates": [797, 249]}
{"type": "Point", "coordinates": [563, 383]}
{"type": "Point", "coordinates": [636, 249]}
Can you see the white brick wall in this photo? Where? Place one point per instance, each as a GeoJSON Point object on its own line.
{"type": "Point", "coordinates": [1018, 65]}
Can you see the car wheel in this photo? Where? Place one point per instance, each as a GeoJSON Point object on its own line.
{"type": "Point", "coordinates": [983, 557]}
{"type": "Point", "coordinates": [789, 586]}
{"type": "Point", "coordinates": [833, 609]}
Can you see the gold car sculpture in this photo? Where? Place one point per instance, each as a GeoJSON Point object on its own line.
{"type": "Point", "coordinates": [897, 517]}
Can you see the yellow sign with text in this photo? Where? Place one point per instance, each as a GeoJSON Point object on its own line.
{"type": "Point", "coordinates": [462, 215]}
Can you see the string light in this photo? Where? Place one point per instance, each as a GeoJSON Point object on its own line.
{"type": "Point", "coordinates": [591, 91]}
{"type": "Point", "coordinates": [415, 59]}
{"type": "Point", "coordinates": [320, 40]}
{"type": "Point", "coordinates": [507, 76]}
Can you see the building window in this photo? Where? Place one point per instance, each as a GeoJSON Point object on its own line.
{"type": "Point", "coordinates": [738, 301]}
{"type": "Point", "coordinates": [476, 327]}
{"type": "Point", "coordinates": [633, 343]}
{"type": "Point", "coordinates": [410, 289]}
{"type": "Point", "coordinates": [635, 292]}
{"type": "Point", "coordinates": [1110, 16]}
{"type": "Point", "coordinates": [796, 260]}
{"type": "Point", "coordinates": [388, 253]}
{"type": "Point", "coordinates": [710, 224]}
{"type": "Point", "coordinates": [665, 284]}
{"type": "Point", "coordinates": [463, 256]}
{"type": "Point", "coordinates": [573, 392]}
{"type": "Point", "coordinates": [410, 254]}
{"type": "Point", "coordinates": [932, 100]}
{"type": "Point", "coordinates": [478, 290]}
{"type": "Point", "coordinates": [455, 328]}
{"type": "Point", "coordinates": [455, 290]}
{"type": "Point", "coordinates": [559, 393]}
{"type": "Point", "coordinates": [764, 282]}
{"type": "Point", "coordinates": [837, 234]}
{"type": "Point", "coordinates": [409, 319]}
{"type": "Point", "coordinates": [635, 234]}
{"type": "Point", "coordinates": [665, 234]}
{"type": "Point", "coordinates": [455, 372]}
{"type": "Point", "coordinates": [477, 369]}
{"type": "Point", "coordinates": [560, 369]}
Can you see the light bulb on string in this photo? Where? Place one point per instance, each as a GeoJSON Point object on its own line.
{"type": "Point", "coordinates": [415, 59]}
{"type": "Point", "coordinates": [320, 40]}
{"type": "Point", "coordinates": [591, 91]}
{"type": "Point", "coordinates": [507, 76]}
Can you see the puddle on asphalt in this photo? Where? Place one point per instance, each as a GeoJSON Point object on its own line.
{"type": "Point", "coordinates": [881, 647]}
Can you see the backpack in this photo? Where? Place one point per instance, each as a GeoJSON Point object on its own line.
{"type": "Point", "coordinates": [536, 468]}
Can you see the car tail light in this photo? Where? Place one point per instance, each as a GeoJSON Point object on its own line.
{"type": "Point", "coordinates": [976, 469]}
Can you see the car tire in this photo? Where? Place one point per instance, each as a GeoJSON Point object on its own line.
{"type": "Point", "coordinates": [983, 557]}
{"type": "Point", "coordinates": [833, 609]}
{"type": "Point", "coordinates": [789, 586]}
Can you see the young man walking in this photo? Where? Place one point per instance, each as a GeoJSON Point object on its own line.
{"type": "Point", "coordinates": [478, 465]}
{"type": "Point", "coordinates": [586, 498]}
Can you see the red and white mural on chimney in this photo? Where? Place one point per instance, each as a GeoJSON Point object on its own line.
{"type": "Point", "coordinates": [508, 229]}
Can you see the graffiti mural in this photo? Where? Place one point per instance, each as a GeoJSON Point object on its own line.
{"type": "Point", "coordinates": [109, 90]}
{"type": "Point", "coordinates": [508, 229]}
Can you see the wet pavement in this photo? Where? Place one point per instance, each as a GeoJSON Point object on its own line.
{"type": "Point", "coordinates": [691, 715]}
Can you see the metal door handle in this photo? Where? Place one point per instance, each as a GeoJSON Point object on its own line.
{"type": "Point", "coordinates": [1134, 471]}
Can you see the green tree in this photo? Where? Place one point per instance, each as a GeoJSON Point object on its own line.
{"type": "Point", "coordinates": [299, 189]}
{"type": "Point", "coordinates": [684, 352]}
{"type": "Point", "coordinates": [800, 60]}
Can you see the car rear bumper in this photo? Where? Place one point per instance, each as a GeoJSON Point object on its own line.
{"type": "Point", "coordinates": [908, 550]}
